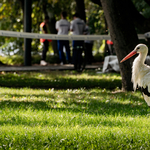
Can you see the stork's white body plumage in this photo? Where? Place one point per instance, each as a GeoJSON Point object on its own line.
{"type": "Point", "coordinates": [141, 71]}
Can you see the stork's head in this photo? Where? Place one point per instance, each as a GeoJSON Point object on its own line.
{"type": "Point", "coordinates": [140, 48]}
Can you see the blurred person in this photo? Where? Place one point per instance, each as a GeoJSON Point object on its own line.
{"type": "Point", "coordinates": [77, 27]}
{"type": "Point", "coordinates": [109, 50]}
{"type": "Point", "coordinates": [88, 46]}
{"type": "Point", "coordinates": [44, 30]}
{"type": "Point", "coordinates": [63, 27]}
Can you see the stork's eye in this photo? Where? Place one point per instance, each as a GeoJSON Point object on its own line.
{"type": "Point", "coordinates": [138, 47]}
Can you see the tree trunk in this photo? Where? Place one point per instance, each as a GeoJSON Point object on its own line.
{"type": "Point", "coordinates": [123, 35]}
{"type": "Point", "coordinates": [27, 28]}
{"type": "Point", "coordinates": [80, 9]}
{"type": "Point", "coordinates": [52, 29]}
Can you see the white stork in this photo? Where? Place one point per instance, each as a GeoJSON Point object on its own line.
{"type": "Point", "coordinates": [140, 71]}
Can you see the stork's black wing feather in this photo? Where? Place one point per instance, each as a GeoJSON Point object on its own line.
{"type": "Point", "coordinates": [145, 91]}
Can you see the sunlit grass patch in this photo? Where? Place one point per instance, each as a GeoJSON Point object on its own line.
{"type": "Point", "coordinates": [71, 118]}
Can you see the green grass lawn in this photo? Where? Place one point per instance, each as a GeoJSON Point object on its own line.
{"type": "Point", "coordinates": [42, 111]}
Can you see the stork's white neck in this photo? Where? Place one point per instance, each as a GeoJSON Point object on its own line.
{"type": "Point", "coordinates": [141, 58]}
{"type": "Point", "coordinates": [139, 69]}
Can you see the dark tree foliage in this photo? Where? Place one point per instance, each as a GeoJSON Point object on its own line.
{"type": "Point", "coordinates": [142, 23]}
{"type": "Point", "coordinates": [80, 9]}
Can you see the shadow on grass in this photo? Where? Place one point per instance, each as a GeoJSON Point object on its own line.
{"type": "Point", "coordinates": [57, 82]}
{"type": "Point", "coordinates": [94, 106]}
{"type": "Point", "coordinates": [99, 105]}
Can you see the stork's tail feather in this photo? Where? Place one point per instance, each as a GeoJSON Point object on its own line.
{"type": "Point", "coordinates": [145, 91]}
{"type": "Point", "coordinates": [147, 99]}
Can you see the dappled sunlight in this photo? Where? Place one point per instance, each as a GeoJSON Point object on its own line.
{"type": "Point", "coordinates": [58, 114]}
{"type": "Point", "coordinates": [93, 101]}
{"type": "Point", "coordinates": [61, 107]}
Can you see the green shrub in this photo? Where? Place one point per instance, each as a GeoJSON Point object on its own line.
{"type": "Point", "coordinates": [35, 59]}
{"type": "Point", "coordinates": [99, 57]}
{"type": "Point", "coordinates": [52, 59]}
{"type": "Point", "coordinates": [19, 60]}
{"type": "Point", "coordinates": [12, 60]}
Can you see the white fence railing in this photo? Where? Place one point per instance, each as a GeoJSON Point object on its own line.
{"type": "Point", "coordinates": [58, 37]}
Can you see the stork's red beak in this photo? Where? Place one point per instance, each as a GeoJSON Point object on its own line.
{"type": "Point", "coordinates": [129, 56]}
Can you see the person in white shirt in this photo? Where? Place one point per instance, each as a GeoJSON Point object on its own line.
{"type": "Point", "coordinates": [63, 27]}
{"type": "Point", "coordinates": [77, 27]}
